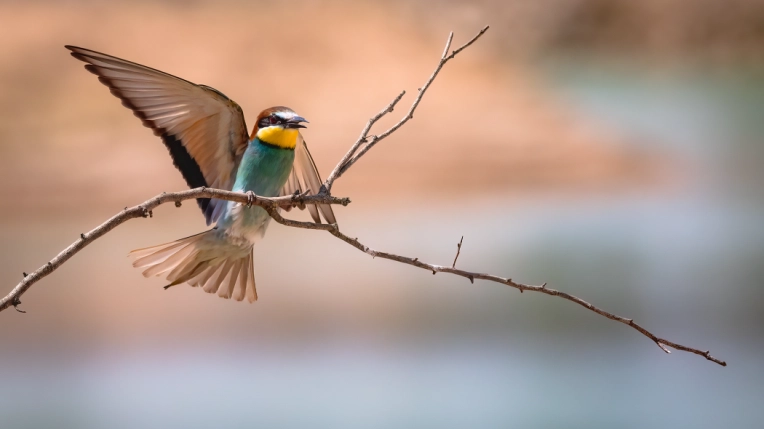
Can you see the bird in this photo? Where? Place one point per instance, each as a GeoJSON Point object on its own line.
{"type": "Point", "coordinates": [206, 136]}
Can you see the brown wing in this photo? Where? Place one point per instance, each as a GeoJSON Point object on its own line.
{"type": "Point", "coordinates": [203, 129]}
{"type": "Point", "coordinates": [305, 177]}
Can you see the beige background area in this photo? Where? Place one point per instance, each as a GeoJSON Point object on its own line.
{"type": "Point", "coordinates": [487, 124]}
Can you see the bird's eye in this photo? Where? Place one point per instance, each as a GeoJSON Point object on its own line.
{"type": "Point", "coordinates": [273, 120]}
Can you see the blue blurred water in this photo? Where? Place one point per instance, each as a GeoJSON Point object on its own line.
{"type": "Point", "coordinates": [687, 264]}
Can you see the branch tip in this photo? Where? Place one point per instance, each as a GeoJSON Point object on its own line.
{"type": "Point", "coordinates": [458, 250]}
{"type": "Point", "coordinates": [448, 45]}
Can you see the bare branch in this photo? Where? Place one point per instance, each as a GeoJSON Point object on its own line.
{"type": "Point", "coordinates": [145, 210]}
{"type": "Point", "coordinates": [662, 343]}
{"type": "Point", "coordinates": [272, 205]}
{"type": "Point", "coordinates": [363, 138]}
{"type": "Point", "coordinates": [356, 151]}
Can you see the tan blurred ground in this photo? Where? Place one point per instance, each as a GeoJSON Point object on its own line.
{"type": "Point", "coordinates": [487, 124]}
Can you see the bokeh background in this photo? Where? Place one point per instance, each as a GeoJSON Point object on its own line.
{"type": "Point", "coordinates": [610, 148]}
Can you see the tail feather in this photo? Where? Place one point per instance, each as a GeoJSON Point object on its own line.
{"type": "Point", "coordinates": [157, 255]}
{"type": "Point", "coordinates": [202, 260]}
{"type": "Point", "coordinates": [213, 283]}
{"type": "Point", "coordinates": [247, 282]}
{"type": "Point", "coordinates": [227, 285]}
{"type": "Point", "coordinates": [170, 263]}
{"type": "Point", "coordinates": [184, 268]}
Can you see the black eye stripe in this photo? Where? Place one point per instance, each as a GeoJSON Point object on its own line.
{"type": "Point", "coordinates": [270, 120]}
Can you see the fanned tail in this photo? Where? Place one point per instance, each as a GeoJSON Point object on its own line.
{"type": "Point", "coordinates": [202, 260]}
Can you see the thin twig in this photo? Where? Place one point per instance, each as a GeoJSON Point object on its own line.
{"type": "Point", "coordinates": [356, 151]}
{"type": "Point", "coordinates": [660, 342]}
{"type": "Point", "coordinates": [458, 250]}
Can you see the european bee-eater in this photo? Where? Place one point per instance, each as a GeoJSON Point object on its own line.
{"type": "Point", "coordinates": [207, 138]}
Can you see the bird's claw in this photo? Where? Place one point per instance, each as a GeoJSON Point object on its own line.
{"type": "Point", "coordinates": [251, 197]}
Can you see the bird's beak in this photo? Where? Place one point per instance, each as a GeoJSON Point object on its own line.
{"type": "Point", "coordinates": [295, 122]}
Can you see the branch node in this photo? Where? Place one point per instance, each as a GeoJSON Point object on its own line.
{"type": "Point", "coordinates": [415, 259]}
{"type": "Point", "coordinates": [663, 347]}
{"type": "Point", "coordinates": [25, 274]}
{"type": "Point", "coordinates": [82, 235]}
{"type": "Point", "coordinates": [543, 286]}
{"type": "Point", "coordinates": [15, 303]}
{"type": "Point", "coordinates": [178, 204]}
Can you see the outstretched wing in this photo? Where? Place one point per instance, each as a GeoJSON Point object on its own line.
{"type": "Point", "coordinates": [305, 178]}
{"type": "Point", "coordinates": [203, 129]}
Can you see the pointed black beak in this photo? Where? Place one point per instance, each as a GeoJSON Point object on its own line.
{"type": "Point", "coordinates": [295, 122]}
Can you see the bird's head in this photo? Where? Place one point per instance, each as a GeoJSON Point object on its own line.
{"type": "Point", "coordinates": [278, 126]}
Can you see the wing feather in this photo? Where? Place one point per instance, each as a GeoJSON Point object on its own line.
{"type": "Point", "coordinates": [305, 178]}
{"type": "Point", "coordinates": [203, 130]}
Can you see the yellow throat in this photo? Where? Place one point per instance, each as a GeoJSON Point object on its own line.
{"type": "Point", "coordinates": [285, 138]}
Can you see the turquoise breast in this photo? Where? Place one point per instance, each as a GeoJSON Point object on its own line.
{"type": "Point", "coordinates": [263, 170]}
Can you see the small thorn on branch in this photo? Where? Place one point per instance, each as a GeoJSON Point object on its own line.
{"type": "Point", "coordinates": [25, 275]}
{"type": "Point", "coordinates": [82, 236]}
{"type": "Point", "coordinates": [472, 279]}
{"type": "Point", "coordinates": [15, 303]}
{"type": "Point", "coordinates": [178, 204]}
{"type": "Point", "coordinates": [415, 259]}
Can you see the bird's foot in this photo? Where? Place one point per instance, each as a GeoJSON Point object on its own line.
{"type": "Point", "coordinates": [251, 197]}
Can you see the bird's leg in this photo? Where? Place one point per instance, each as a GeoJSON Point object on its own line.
{"type": "Point", "coordinates": [251, 197]}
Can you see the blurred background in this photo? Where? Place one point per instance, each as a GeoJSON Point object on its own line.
{"type": "Point", "coordinates": [612, 149]}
